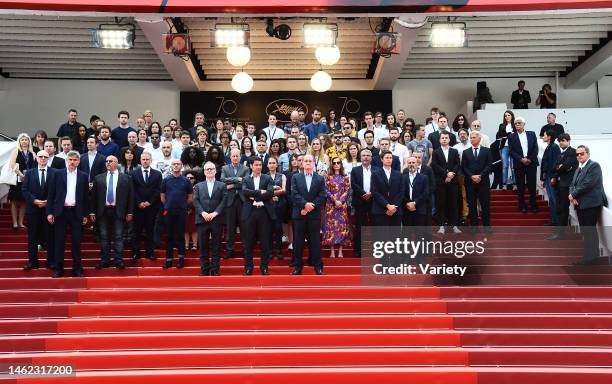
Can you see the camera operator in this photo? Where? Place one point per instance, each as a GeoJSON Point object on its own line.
{"type": "Point", "coordinates": [547, 99]}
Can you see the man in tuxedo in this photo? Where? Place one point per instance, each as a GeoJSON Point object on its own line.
{"type": "Point", "coordinates": [587, 195]}
{"type": "Point", "coordinates": [257, 215]}
{"type": "Point", "coordinates": [35, 189]}
{"type": "Point", "coordinates": [427, 171]}
{"type": "Point", "coordinates": [232, 176]}
{"type": "Point", "coordinates": [67, 206]}
{"type": "Point", "coordinates": [383, 145]}
{"type": "Point", "coordinates": [209, 200]}
{"type": "Point", "coordinates": [112, 206]}
{"type": "Point", "coordinates": [566, 166]}
{"type": "Point", "coordinates": [476, 165]}
{"type": "Point", "coordinates": [523, 147]}
{"type": "Point", "coordinates": [146, 184]}
{"type": "Point", "coordinates": [414, 204]}
{"type": "Point", "coordinates": [361, 181]}
{"type": "Point", "coordinates": [92, 162]}
{"type": "Point", "coordinates": [54, 161]}
{"type": "Point", "coordinates": [308, 196]}
{"type": "Point", "coordinates": [388, 193]}
{"type": "Point", "coordinates": [445, 164]}
{"type": "Point", "coordinates": [435, 137]}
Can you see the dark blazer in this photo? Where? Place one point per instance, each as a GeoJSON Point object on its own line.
{"type": "Point", "coordinates": [520, 101]}
{"type": "Point", "coordinates": [441, 167]}
{"type": "Point", "coordinates": [300, 196]}
{"type": "Point", "coordinates": [587, 186]}
{"type": "Point", "coordinates": [31, 188]}
{"type": "Point", "coordinates": [395, 164]}
{"type": "Point", "coordinates": [386, 191]}
{"type": "Point", "coordinates": [149, 191]}
{"type": "Point", "coordinates": [248, 191]}
{"type": "Point", "coordinates": [567, 163]}
{"type": "Point", "coordinates": [57, 194]}
{"type": "Point", "coordinates": [227, 177]}
{"type": "Point", "coordinates": [264, 168]}
{"type": "Point", "coordinates": [357, 185]}
{"type": "Point", "coordinates": [202, 202]}
{"type": "Point", "coordinates": [480, 166]}
{"type": "Point", "coordinates": [516, 151]}
{"type": "Point", "coordinates": [58, 163]}
{"type": "Point", "coordinates": [549, 160]}
{"type": "Point", "coordinates": [420, 192]}
{"type": "Point", "coordinates": [434, 137]}
{"type": "Point", "coordinates": [98, 167]}
{"type": "Point", "coordinates": [502, 135]}
{"type": "Point", "coordinates": [124, 195]}
{"type": "Point", "coordinates": [427, 171]}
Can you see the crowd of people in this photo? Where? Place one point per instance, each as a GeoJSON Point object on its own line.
{"type": "Point", "coordinates": [305, 184]}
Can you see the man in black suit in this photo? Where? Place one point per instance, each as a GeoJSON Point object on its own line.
{"type": "Point", "coordinates": [414, 204]}
{"type": "Point", "coordinates": [361, 181]}
{"type": "Point", "coordinates": [92, 162]}
{"type": "Point", "coordinates": [566, 166]}
{"type": "Point", "coordinates": [427, 171]}
{"type": "Point", "coordinates": [445, 164]}
{"type": "Point", "coordinates": [384, 144]}
{"type": "Point", "coordinates": [209, 200]}
{"type": "Point", "coordinates": [388, 193]}
{"type": "Point", "coordinates": [587, 195]}
{"type": "Point", "coordinates": [232, 175]}
{"type": "Point", "coordinates": [257, 215]}
{"type": "Point", "coordinates": [113, 206]}
{"type": "Point", "coordinates": [434, 137]}
{"type": "Point", "coordinates": [146, 184]}
{"type": "Point", "coordinates": [262, 154]}
{"type": "Point", "coordinates": [523, 147]}
{"type": "Point", "coordinates": [35, 191]}
{"type": "Point", "coordinates": [476, 165]}
{"type": "Point", "coordinates": [308, 196]}
{"type": "Point", "coordinates": [520, 98]}
{"type": "Point", "coordinates": [67, 205]}
{"type": "Point", "coordinates": [132, 139]}
{"type": "Point", "coordinates": [54, 161]}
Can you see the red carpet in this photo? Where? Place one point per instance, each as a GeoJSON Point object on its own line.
{"type": "Point", "coordinates": [533, 318]}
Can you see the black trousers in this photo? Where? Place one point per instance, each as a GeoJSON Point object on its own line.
{"type": "Point", "coordinates": [67, 219]}
{"type": "Point", "coordinates": [587, 218]}
{"type": "Point", "coordinates": [232, 220]}
{"type": "Point", "coordinates": [276, 230]}
{"type": "Point", "coordinates": [212, 230]}
{"type": "Point", "coordinates": [110, 221]}
{"type": "Point", "coordinates": [416, 229]}
{"type": "Point", "coordinates": [446, 203]}
{"type": "Point", "coordinates": [307, 228]}
{"type": "Point", "coordinates": [363, 218]}
{"type": "Point", "coordinates": [526, 176]}
{"type": "Point", "coordinates": [175, 224]}
{"type": "Point", "coordinates": [563, 206]}
{"type": "Point", "coordinates": [40, 232]}
{"type": "Point", "coordinates": [144, 219]}
{"type": "Point", "coordinates": [258, 224]}
{"type": "Point", "coordinates": [479, 193]}
{"type": "Point", "coordinates": [388, 221]}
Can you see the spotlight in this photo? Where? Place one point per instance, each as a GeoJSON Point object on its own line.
{"type": "Point", "coordinates": [281, 32]}
{"type": "Point", "coordinates": [387, 43]}
{"type": "Point", "coordinates": [320, 35]}
{"type": "Point", "coordinates": [448, 35]}
{"type": "Point", "coordinates": [113, 36]}
{"type": "Point", "coordinates": [230, 35]}
{"type": "Point", "coordinates": [177, 44]}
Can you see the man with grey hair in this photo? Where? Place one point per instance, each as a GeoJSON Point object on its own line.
{"type": "Point", "coordinates": [197, 121]}
{"type": "Point", "coordinates": [232, 176]}
{"type": "Point", "coordinates": [484, 139]}
{"type": "Point", "coordinates": [147, 183]}
{"type": "Point", "coordinates": [361, 177]}
{"type": "Point", "coordinates": [523, 147]}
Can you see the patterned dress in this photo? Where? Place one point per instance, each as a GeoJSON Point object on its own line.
{"type": "Point", "coordinates": [336, 225]}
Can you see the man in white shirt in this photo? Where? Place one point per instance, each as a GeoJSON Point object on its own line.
{"type": "Point", "coordinates": [165, 164]}
{"type": "Point", "coordinates": [484, 139]}
{"type": "Point", "coordinates": [66, 144]}
{"type": "Point", "coordinates": [397, 148]}
{"type": "Point", "coordinates": [433, 126]}
{"type": "Point", "coordinates": [272, 131]}
{"type": "Point", "coordinates": [178, 151]}
{"type": "Point", "coordinates": [155, 148]}
{"type": "Point", "coordinates": [368, 118]}
{"type": "Point", "coordinates": [461, 146]}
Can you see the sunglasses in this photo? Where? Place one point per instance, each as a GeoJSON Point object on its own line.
{"type": "Point", "coordinates": [43, 157]}
{"type": "Point", "coordinates": [209, 169]}
{"type": "Point", "coordinates": [337, 163]}
{"type": "Point", "coordinates": [190, 177]}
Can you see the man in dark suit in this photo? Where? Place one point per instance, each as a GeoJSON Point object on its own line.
{"type": "Point", "coordinates": [361, 181]}
{"type": "Point", "coordinates": [67, 205]}
{"type": "Point", "coordinates": [427, 171]}
{"type": "Point", "coordinates": [587, 195]}
{"type": "Point", "coordinates": [112, 206]}
{"type": "Point", "coordinates": [396, 163]}
{"type": "Point", "coordinates": [54, 161]}
{"type": "Point", "coordinates": [388, 193]}
{"type": "Point", "coordinates": [262, 153]}
{"type": "Point", "coordinates": [232, 175]}
{"type": "Point", "coordinates": [35, 191]}
{"type": "Point", "coordinates": [523, 147]}
{"type": "Point", "coordinates": [92, 162]}
{"type": "Point", "coordinates": [257, 215]}
{"type": "Point", "coordinates": [476, 165]}
{"type": "Point", "coordinates": [445, 164]}
{"type": "Point", "coordinates": [308, 196]}
{"type": "Point", "coordinates": [520, 98]}
{"type": "Point", "coordinates": [414, 204]}
{"type": "Point", "coordinates": [434, 137]}
{"type": "Point", "coordinates": [146, 184]}
{"type": "Point", "coordinates": [209, 200]}
{"type": "Point", "coordinates": [566, 166]}
{"type": "Point", "coordinates": [132, 139]}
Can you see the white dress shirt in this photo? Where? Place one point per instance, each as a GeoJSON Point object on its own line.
{"type": "Point", "coordinates": [40, 174]}
{"type": "Point", "coordinates": [445, 151]}
{"type": "Point", "coordinates": [308, 177]}
{"type": "Point", "coordinates": [210, 185]}
{"type": "Point", "coordinates": [114, 186]}
{"type": "Point", "coordinates": [256, 182]}
{"type": "Point", "coordinates": [388, 173]}
{"type": "Point", "coordinates": [71, 183]}
{"type": "Point", "coordinates": [460, 147]}
{"type": "Point", "coordinates": [399, 150]}
{"type": "Point", "coordinates": [367, 176]}
{"type": "Point", "coordinates": [91, 156]}
{"type": "Point", "coordinates": [411, 176]}
{"type": "Point", "coordinates": [524, 145]}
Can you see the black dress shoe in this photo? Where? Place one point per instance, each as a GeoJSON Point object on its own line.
{"type": "Point", "coordinates": [77, 274]}
{"type": "Point", "coordinates": [102, 264]}
{"type": "Point", "coordinates": [296, 272]}
{"type": "Point", "coordinates": [535, 210]}
{"type": "Point", "coordinates": [57, 274]}
{"type": "Point", "coordinates": [167, 264]}
{"type": "Point", "coordinates": [135, 257]}
{"type": "Point", "coordinates": [319, 271]}
{"type": "Point", "coordinates": [49, 265]}
{"type": "Point", "coordinates": [204, 272]}
{"type": "Point", "coordinates": [181, 263]}
{"type": "Point", "coordinates": [119, 265]}
{"type": "Point", "coordinates": [151, 257]}
{"type": "Point", "coordinates": [524, 210]}
{"type": "Point", "coordinates": [265, 272]}
{"type": "Point", "coordinates": [585, 262]}
{"type": "Point", "coordinates": [248, 271]}
{"type": "Point", "coordinates": [215, 273]}
{"type": "Point", "coordinates": [30, 266]}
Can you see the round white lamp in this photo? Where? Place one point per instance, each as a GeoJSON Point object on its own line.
{"type": "Point", "coordinates": [327, 55]}
{"type": "Point", "coordinates": [321, 81]}
{"type": "Point", "coordinates": [238, 56]}
{"type": "Point", "coordinates": [242, 82]}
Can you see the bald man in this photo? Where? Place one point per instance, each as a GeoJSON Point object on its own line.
{"type": "Point", "coordinates": [484, 139]}
{"type": "Point", "coordinates": [295, 122]}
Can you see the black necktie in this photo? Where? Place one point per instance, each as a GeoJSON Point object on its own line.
{"type": "Point", "coordinates": [146, 175]}
{"type": "Point", "coordinates": [475, 153]}
{"type": "Point", "coordinates": [42, 179]}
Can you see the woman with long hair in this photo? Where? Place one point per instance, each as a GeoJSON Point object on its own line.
{"type": "Point", "coordinates": [193, 160]}
{"type": "Point", "coordinates": [238, 133]}
{"type": "Point", "coordinates": [191, 231]}
{"type": "Point", "coordinates": [406, 137]}
{"type": "Point", "coordinates": [506, 128]}
{"type": "Point", "coordinates": [336, 225]}
{"type": "Point", "coordinates": [225, 139]}
{"type": "Point", "coordinates": [352, 158]}
{"type": "Point", "coordinates": [215, 156]}
{"type": "Point", "coordinates": [391, 121]}
{"type": "Point", "coordinates": [460, 122]}
{"type": "Point", "coordinates": [332, 121]}
{"type": "Point", "coordinates": [302, 147]}
{"type": "Point", "coordinates": [79, 140]}
{"type": "Point", "coordinates": [320, 158]}
{"type": "Point", "coordinates": [410, 125]}
{"type": "Point", "coordinates": [215, 133]}
{"type": "Point", "coordinates": [279, 202]}
{"type": "Point", "coordinates": [127, 162]}
{"type": "Point", "coordinates": [154, 128]}
{"type": "Point", "coordinates": [246, 150]}
{"type": "Point", "coordinates": [39, 141]}
{"type": "Point", "coordinates": [21, 159]}
{"type": "Point", "coordinates": [275, 149]}
{"type": "Point", "coordinates": [143, 140]}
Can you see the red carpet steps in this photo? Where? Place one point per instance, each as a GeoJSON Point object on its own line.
{"type": "Point", "coordinates": [149, 325]}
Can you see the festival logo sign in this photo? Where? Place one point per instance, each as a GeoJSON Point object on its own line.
{"type": "Point", "coordinates": [282, 108]}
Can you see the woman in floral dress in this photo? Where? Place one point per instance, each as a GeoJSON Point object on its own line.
{"type": "Point", "coordinates": [336, 225]}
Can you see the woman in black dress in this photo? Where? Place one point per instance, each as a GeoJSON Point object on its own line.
{"type": "Point", "coordinates": [23, 156]}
